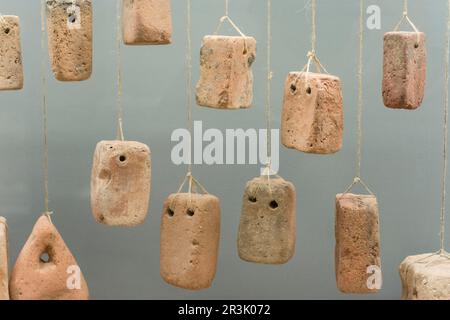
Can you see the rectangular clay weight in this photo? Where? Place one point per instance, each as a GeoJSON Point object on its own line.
{"type": "Point", "coordinates": [11, 70]}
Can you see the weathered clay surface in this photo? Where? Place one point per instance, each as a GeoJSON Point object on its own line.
{"type": "Point", "coordinates": [11, 70]}
{"type": "Point", "coordinates": [120, 182]}
{"type": "Point", "coordinates": [70, 47]}
{"type": "Point", "coordinates": [34, 278]}
{"type": "Point", "coordinates": [4, 277]}
{"type": "Point", "coordinates": [312, 116]}
{"type": "Point", "coordinates": [190, 234]}
{"type": "Point", "coordinates": [267, 229]}
{"type": "Point", "coordinates": [404, 69]}
{"type": "Point", "coordinates": [226, 78]}
{"type": "Point", "coordinates": [357, 241]}
{"type": "Point", "coordinates": [147, 22]}
{"type": "Point", "coordinates": [425, 277]}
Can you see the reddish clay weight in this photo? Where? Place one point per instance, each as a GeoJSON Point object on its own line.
{"type": "Point", "coordinates": [38, 277]}
{"type": "Point", "coordinates": [147, 22]}
{"type": "Point", "coordinates": [4, 278]}
{"type": "Point", "coordinates": [120, 183]}
{"type": "Point", "coordinates": [226, 78]}
{"type": "Point", "coordinates": [268, 221]}
{"type": "Point", "coordinates": [357, 241]}
{"type": "Point", "coordinates": [70, 38]}
{"type": "Point", "coordinates": [11, 70]}
{"type": "Point", "coordinates": [404, 69]}
{"type": "Point", "coordinates": [190, 234]}
{"type": "Point", "coordinates": [312, 116]}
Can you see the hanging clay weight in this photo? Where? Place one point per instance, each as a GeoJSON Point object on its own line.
{"type": "Point", "coordinates": [147, 22]}
{"type": "Point", "coordinates": [404, 69]}
{"type": "Point", "coordinates": [425, 277]}
{"type": "Point", "coordinates": [120, 183]}
{"type": "Point", "coordinates": [312, 116]}
{"type": "Point", "coordinates": [46, 269]}
{"type": "Point", "coordinates": [11, 70]}
{"type": "Point", "coordinates": [226, 78]}
{"type": "Point", "coordinates": [267, 229]}
{"type": "Point", "coordinates": [357, 242]}
{"type": "Point", "coordinates": [4, 278]}
{"type": "Point", "coordinates": [190, 234]}
{"type": "Point", "coordinates": [70, 38]}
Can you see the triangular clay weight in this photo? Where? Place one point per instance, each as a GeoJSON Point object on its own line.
{"type": "Point", "coordinates": [4, 277]}
{"type": "Point", "coordinates": [404, 69]}
{"type": "Point", "coordinates": [147, 22]}
{"type": "Point", "coordinates": [312, 116]}
{"type": "Point", "coordinates": [69, 25]}
{"type": "Point", "coordinates": [357, 243]}
{"type": "Point", "coordinates": [190, 234]}
{"type": "Point", "coordinates": [425, 277]}
{"type": "Point", "coordinates": [46, 269]}
{"type": "Point", "coordinates": [226, 78]}
{"type": "Point", "coordinates": [120, 182]}
{"type": "Point", "coordinates": [11, 70]}
{"type": "Point", "coordinates": [267, 230]}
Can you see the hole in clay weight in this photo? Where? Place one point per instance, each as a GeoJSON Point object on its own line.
{"type": "Point", "coordinates": [190, 212]}
{"type": "Point", "coordinates": [72, 18]}
{"type": "Point", "coordinates": [416, 45]}
{"type": "Point", "coordinates": [170, 212]}
{"type": "Point", "coordinates": [252, 199]}
{"type": "Point", "coordinates": [293, 88]}
{"type": "Point", "coordinates": [44, 258]}
{"type": "Point", "coordinates": [122, 158]}
{"type": "Point", "coordinates": [273, 204]}
{"type": "Point", "coordinates": [308, 90]}
{"type": "Point", "coordinates": [7, 30]}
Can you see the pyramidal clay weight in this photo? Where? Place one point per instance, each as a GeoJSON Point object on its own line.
{"type": "Point", "coordinates": [4, 277]}
{"type": "Point", "coordinates": [11, 70]}
{"type": "Point", "coordinates": [46, 269]}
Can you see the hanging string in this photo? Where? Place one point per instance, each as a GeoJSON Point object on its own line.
{"type": "Point", "coordinates": [120, 135]}
{"type": "Point", "coordinates": [226, 17]}
{"type": "Point", "coordinates": [406, 18]}
{"type": "Point", "coordinates": [269, 86]}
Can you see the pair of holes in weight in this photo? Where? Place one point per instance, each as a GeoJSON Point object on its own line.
{"type": "Point", "coordinates": [189, 212]}
{"type": "Point", "coordinates": [294, 89]}
{"type": "Point", "coordinates": [272, 204]}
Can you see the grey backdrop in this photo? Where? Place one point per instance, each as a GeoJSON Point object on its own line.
{"type": "Point", "coordinates": [402, 149]}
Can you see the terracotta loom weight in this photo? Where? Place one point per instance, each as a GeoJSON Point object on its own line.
{"type": "Point", "coordinates": [312, 116]}
{"type": "Point", "coordinates": [357, 242]}
{"type": "Point", "coordinates": [120, 182]}
{"type": "Point", "coordinates": [69, 25]}
{"type": "Point", "coordinates": [190, 233]}
{"type": "Point", "coordinates": [46, 269]}
{"type": "Point", "coordinates": [11, 70]}
{"type": "Point", "coordinates": [267, 229]}
{"type": "Point", "coordinates": [146, 22]}
{"type": "Point", "coordinates": [226, 78]}
{"type": "Point", "coordinates": [4, 277]}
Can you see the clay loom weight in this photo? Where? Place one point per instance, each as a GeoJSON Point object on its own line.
{"type": "Point", "coordinates": [4, 277]}
{"type": "Point", "coordinates": [11, 70]}
{"type": "Point", "coordinates": [70, 38]}
{"type": "Point", "coordinates": [120, 183]}
{"type": "Point", "coordinates": [226, 78]}
{"type": "Point", "coordinates": [426, 277]}
{"type": "Point", "coordinates": [312, 116]}
{"type": "Point", "coordinates": [267, 230]}
{"type": "Point", "coordinates": [190, 233]}
{"type": "Point", "coordinates": [46, 269]}
{"type": "Point", "coordinates": [357, 242]}
{"type": "Point", "coordinates": [146, 22]}
{"type": "Point", "coordinates": [404, 69]}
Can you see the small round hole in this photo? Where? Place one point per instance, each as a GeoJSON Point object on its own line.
{"type": "Point", "coordinates": [273, 204]}
{"type": "Point", "coordinates": [308, 90]}
{"type": "Point", "coordinates": [293, 88]}
{"type": "Point", "coordinates": [170, 212]}
{"type": "Point", "coordinates": [7, 30]}
{"type": "Point", "coordinates": [416, 45]}
{"type": "Point", "coordinates": [252, 199]}
{"type": "Point", "coordinates": [190, 212]}
{"type": "Point", "coordinates": [122, 158]}
{"type": "Point", "coordinates": [72, 18]}
{"type": "Point", "coordinates": [45, 258]}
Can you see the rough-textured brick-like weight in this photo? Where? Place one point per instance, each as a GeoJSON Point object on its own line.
{"type": "Point", "coordinates": [69, 30]}
{"type": "Point", "coordinates": [425, 277]}
{"type": "Point", "coordinates": [120, 183]}
{"type": "Point", "coordinates": [46, 269]}
{"type": "Point", "coordinates": [11, 70]}
{"type": "Point", "coordinates": [357, 242]}
{"type": "Point", "coordinates": [147, 22]}
{"type": "Point", "coordinates": [226, 78]}
{"type": "Point", "coordinates": [312, 116]}
{"type": "Point", "coordinates": [404, 69]}
{"type": "Point", "coordinates": [267, 229]}
{"type": "Point", "coordinates": [4, 277]}
{"type": "Point", "coordinates": [190, 233]}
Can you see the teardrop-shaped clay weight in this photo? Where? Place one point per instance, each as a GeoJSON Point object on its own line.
{"type": "Point", "coordinates": [226, 78]}
{"type": "Point", "coordinates": [147, 22]}
{"type": "Point", "coordinates": [120, 183]}
{"type": "Point", "coordinates": [11, 70]}
{"type": "Point", "coordinates": [404, 69]}
{"type": "Point", "coordinates": [312, 116]}
{"type": "Point", "coordinates": [46, 269]}
{"type": "Point", "coordinates": [4, 277]}
{"type": "Point", "coordinates": [190, 234]}
{"type": "Point", "coordinates": [69, 25]}
{"type": "Point", "coordinates": [357, 242]}
{"type": "Point", "coordinates": [267, 230]}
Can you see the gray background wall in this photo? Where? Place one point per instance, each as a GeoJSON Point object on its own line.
{"type": "Point", "coordinates": [402, 149]}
